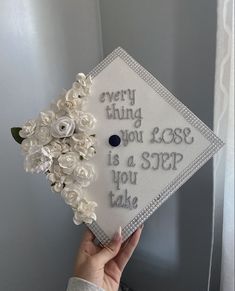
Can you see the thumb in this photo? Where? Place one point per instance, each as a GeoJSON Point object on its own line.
{"type": "Point", "coordinates": [110, 250]}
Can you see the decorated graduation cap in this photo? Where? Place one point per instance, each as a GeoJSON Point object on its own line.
{"type": "Point", "coordinates": [116, 145]}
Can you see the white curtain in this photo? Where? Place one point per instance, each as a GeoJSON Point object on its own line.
{"type": "Point", "coordinates": [224, 128]}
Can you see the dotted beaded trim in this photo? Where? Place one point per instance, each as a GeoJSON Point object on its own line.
{"type": "Point", "coordinates": [215, 143]}
{"type": "Point", "coordinates": [99, 233]}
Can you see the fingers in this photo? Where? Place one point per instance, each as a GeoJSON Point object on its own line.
{"type": "Point", "coordinates": [88, 236]}
{"type": "Point", "coordinates": [111, 250]}
{"type": "Point", "coordinates": [128, 249]}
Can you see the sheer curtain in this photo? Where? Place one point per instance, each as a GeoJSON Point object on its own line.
{"type": "Point", "coordinates": [224, 127]}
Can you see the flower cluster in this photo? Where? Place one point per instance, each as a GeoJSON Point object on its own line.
{"type": "Point", "coordinates": [60, 144]}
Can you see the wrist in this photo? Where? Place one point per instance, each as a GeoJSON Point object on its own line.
{"type": "Point", "coordinates": [76, 283]}
{"type": "Point", "coordinates": [90, 273]}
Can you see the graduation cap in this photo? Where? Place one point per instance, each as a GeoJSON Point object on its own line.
{"type": "Point", "coordinates": [146, 144]}
{"type": "Point", "coordinates": [149, 144]}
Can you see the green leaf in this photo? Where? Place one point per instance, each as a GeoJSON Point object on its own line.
{"type": "Point", "coordinates": [15, 134]}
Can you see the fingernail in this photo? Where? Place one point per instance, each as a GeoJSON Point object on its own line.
{"type": "Point", "coordinates": [142, 226]}
{"type": "Point", "coordinates": [118, 234]}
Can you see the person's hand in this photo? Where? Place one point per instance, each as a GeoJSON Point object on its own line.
{"type": "Point", "coordinates": [104, 266]}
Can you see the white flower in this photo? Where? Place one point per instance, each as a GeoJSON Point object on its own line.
{"type": "Point", "coordinates": [47, 117]}
{"type": "Point", "coordinates": [58, 142]}
{"type": "Point", "coordinates": [68, 162]}
{"type": "Point", "coordinates": [72, 194]}
{"type": "Point", "coordinates": [62, 127]}
{"type": "Point", "coordinates": [69, 103]}
{"type": "Point", "coordinates": [55, 174]}
{"type": "Point", "coordinates": [38, 160]}
{"type": "Point", "coordinates": [85, 211]}
{"type": "Point", "coordinates": [43, 135]}
{"type": "Point", "coordinates": [28, 143]}
{"type": "Point", "coordinates": [82, 139]}
{"type": "Point", "coordinates": [57, 187]}
{"type": "Point", "coordinates": [89, 153]}
{"type": "Point", "coordinates": [55, 148]}
{"type": "Point", "coordinates": [57, 178]}
{"type": "Point", "coordinates": [71, 96]}
{"type": "Point", "coordinates": [85, 122]}
{"type": "Point", "coordinates": [28, 129]}
{"type": "Point", "coordinates": [83, 144]}
{"type": "Point", "coordinates": [65, 146]}
{"type": "Point", "coordinates": [85, 153]}
{"type": "Point", "coordinates": [84, 174]}
{"type": "Point", "coordinates": [82, 85]}
{"type": "Point", "coordinates": [58, 147]}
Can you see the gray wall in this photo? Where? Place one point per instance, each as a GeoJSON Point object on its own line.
{"type": "Point", "coordinates": [43, 45]}
{"type": "Point", "coordinates": [174, 40]}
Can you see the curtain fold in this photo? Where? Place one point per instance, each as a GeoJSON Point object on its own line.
{"type": "Point", "coordinates": [224, 161]}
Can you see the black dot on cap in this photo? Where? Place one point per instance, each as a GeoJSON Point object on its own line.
{"type": "Point", "coordinates": [114, 140]}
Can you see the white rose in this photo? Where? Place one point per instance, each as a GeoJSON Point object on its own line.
{"type": "Point", "coordinates": [72, 194]}
{"type": "Point", "coordinates": [28, 129]}
{"type": "Point", "coordinates": [82, 85]}
{"type": "Point", "coordinates": [85, 121]}
{"type": "Point", "coordinates": [83, 144]}
{"type": "Point", "coordinates": [65, 147]}
{"type": "Point", "coordinates": [68, 162]}
{"type": "Point", "coordinates": [89, 153]}
{"type": "Point", "coordinates": [69, 103]}
{"type": "Point", "coordinates": [43, 135]}
{"type": "Point", "coordinates": [58, 178]}
{"type": "Point", "coordinates": [62, 127]}
{"type": "Point", "coordinates": [83, 140]}
{"type": "Point", "coordinates": [63, 143]}
{"type": "Point", "coordinates": [55, 148]}
{"type": "Point", "coordinates": [56, 173]}
{"type": "Point", "coordinates": [84, 174]}
{"type": "Point", "coordinates": [71, 96]}
{"type": "Point", "coordinates": [57, 187]}
{"type": "Point", "coordinates": [47, 117]}
{"type": "Point", "coordinates": [38, 160]}
{"type": "Point", "coordinates": [85, 212]}
{"type": "Point", "coordinates": [28, 143]}
{"type": "Point", "coordinates": [85, 153]}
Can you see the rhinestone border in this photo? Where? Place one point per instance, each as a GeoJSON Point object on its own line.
{"type": "Point", "coordinates": [215, 144]}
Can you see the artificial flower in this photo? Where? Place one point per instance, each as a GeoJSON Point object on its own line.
{"type": "Point", "coordinates": [28, 143]}
{"type": "Point", "coordinates": [68, 162]}
{"type": "Point", "coordinates": [69, 104]}
{"type": "Point", "coordinates": [47, 117]}
{"type": "Point", "coordinates": [28, 129]}
{"type": "Point", "coordinates": [62, 127]}
{"type": "Point", "coordinates": [38, 160]}
{"type": "Point", "coordinates": [72, 194]}
{"type": "Point", "coordinates": [55, 148]}
{"type": "Point", "coordinates": [89, 153]}
{"type": "Point", "coordinates": [58, 178]}
{"type": "Point", "coordinates": [83, 144]}
{"type": "Point", "coordinates": [43, 135]}
{"type": "Point", "coordinates": [85, 212]}
{"type": "Point", "coordinates": [82, 85]}
{"type": "Point", "coordinates": [58, 142]}
{"type": "Point", "coordinates": [85, 122]}
{"type": "Point", "coordinates": [84, 174]}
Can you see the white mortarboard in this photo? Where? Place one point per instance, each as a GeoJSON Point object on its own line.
{"type": "Point", "coordinates": [149, 144]}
